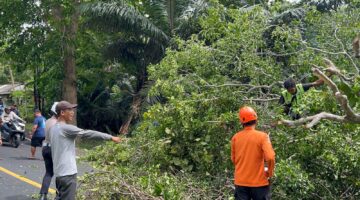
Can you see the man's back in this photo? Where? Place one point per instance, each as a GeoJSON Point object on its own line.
{"type": "Point", "coordinates": [249, 149]}
{"type": "Point", "coordinates": [40, 129]}
{"type": "Point", "coordinates": [48, 124]}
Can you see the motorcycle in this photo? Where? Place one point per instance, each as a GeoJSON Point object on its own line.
{"type": "Point", "coordinates": [16, 134]}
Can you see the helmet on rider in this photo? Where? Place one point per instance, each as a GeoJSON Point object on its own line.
{"type": "Point", "coordinates": [7, 110]}
{"type": "Point", "coordinates": [247, 114]}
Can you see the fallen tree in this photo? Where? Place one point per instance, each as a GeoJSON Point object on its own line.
{"type": "Point", "coordinates": [350, 116]}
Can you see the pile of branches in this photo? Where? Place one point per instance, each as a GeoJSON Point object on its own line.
{"type": "Point", "coordinates": [110, 185]}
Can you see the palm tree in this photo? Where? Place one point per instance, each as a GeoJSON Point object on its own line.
{"type": "Point", "coordinates": [140, 42]}
{"type": "Point", "coordinates": [145, 30]}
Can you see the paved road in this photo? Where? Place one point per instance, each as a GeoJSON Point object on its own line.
{"type": "Point", "coordinates": [14, 163]}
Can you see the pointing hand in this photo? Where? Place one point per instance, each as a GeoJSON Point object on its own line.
{"type": "Point", "coordinates": [116, 139]}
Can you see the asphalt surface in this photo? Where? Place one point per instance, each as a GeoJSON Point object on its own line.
{"type": "Point", "coordinates": [17, 162]}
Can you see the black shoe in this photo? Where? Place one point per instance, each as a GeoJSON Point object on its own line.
{"type": "Point", "coordinates": [43, 197]}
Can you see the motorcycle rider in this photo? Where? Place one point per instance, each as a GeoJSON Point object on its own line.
{"type": "Point", "coordinates": [7, 117]}
{"type": "Point", "coordinates": [15, 110]}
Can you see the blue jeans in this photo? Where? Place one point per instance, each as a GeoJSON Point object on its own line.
{"type": "Point", "coordinates": [6, 128]}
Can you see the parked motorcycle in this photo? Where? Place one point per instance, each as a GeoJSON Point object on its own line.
{"type": "Point", "coordinates": [16, 134]}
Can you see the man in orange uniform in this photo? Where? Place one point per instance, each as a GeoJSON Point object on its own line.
{"type": "Point", "coordinates": [250, 149]}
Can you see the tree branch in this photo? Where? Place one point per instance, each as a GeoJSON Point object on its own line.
{"type": "Point", "coordinates": [341, 99]}
{"type": "Point", "coordinates": [250, 86]}
{"type": "Point", "coordinates": [262, 100]}
{"type": "Point", "coordinates": [350, 115]}
{"type": "Point", "coordinates": [314, 119]}
{"type": "Point", "coordinates": [326, 80]}
{"type": "Point", "coordinates": [334, 70]}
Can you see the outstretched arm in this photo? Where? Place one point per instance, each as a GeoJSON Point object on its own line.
{"type": "Point", "coordinates": [16, 116]}
{"type": "Point", "coordinates": [329, 72]}
{"type": "Point", "coordinates": [317, 83]}
{"type": "Point", "coordinates": [73, 131]}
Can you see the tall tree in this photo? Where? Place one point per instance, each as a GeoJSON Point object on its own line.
{"type": "Point", "coordinates": [66, 16]}
{"type": "Point", "coordinates": [145, 44]}
{"type": "Point", "coordinates": [144, 32]}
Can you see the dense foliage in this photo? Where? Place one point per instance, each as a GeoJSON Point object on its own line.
{"type": "Point", "coordinates": [204, 80]}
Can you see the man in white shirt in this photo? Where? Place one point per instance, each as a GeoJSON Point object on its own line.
{"type": "Point", "coordinates": [9, 116]}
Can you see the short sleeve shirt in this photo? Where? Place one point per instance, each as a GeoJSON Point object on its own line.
{"type": "Point", "coordinates": [40, 130]}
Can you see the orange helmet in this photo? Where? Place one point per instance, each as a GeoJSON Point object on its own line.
{"type": "Point", "coordinates": [247, 114]}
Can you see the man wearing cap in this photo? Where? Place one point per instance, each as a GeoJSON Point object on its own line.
{"type": "Point", "coordinates": [62, 140]}
{"type": "Point", "coordinates": [46, 153]}
{"type": "Point", "coordinates": [38, 132]}
{"type": "Point", "coordinates": [250, 150]}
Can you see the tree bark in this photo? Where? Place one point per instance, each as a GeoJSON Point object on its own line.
{"type": "Point", "coordinates": [135, 109]}
{"type": "Point", "coordinates": [171, 14]}
{"type": "Point", "coordinates": [69, 85]}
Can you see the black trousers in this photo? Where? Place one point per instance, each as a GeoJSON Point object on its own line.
{"type": "Point", "coordinates": [66, 187]}
{"type": "Point", "coordinates": [46, 153]}
{"type": "Point", "coordinates": [254, 193]}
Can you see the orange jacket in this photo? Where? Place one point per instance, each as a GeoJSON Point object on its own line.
{"type": "Point", "coordinates": [249, 150]}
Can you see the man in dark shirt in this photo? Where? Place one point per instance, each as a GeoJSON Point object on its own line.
{"type": "Point", "coordinates": [293, 94]}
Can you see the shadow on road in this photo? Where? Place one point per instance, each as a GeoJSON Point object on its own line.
{"type": "Point", "coordinates": [25, 158]}
{"type": "Point", "coordinates": [7, 144]}
{"type": "Point", "coordinates": [18, 197]}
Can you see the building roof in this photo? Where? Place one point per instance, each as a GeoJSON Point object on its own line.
{"type": "Point", "coordinates": [8, 88]}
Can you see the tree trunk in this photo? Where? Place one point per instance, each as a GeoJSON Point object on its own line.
{"type": "Point", "coordinates": [69, 86]}
{"type": "Point", "coordinates": [137, 100]}
{"type": "Point", "coordinates": [171, 14]}
{"type": "Point", "coordinates": [36, 88]}
{"type": "Point", "coordinates": [135, 109]}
